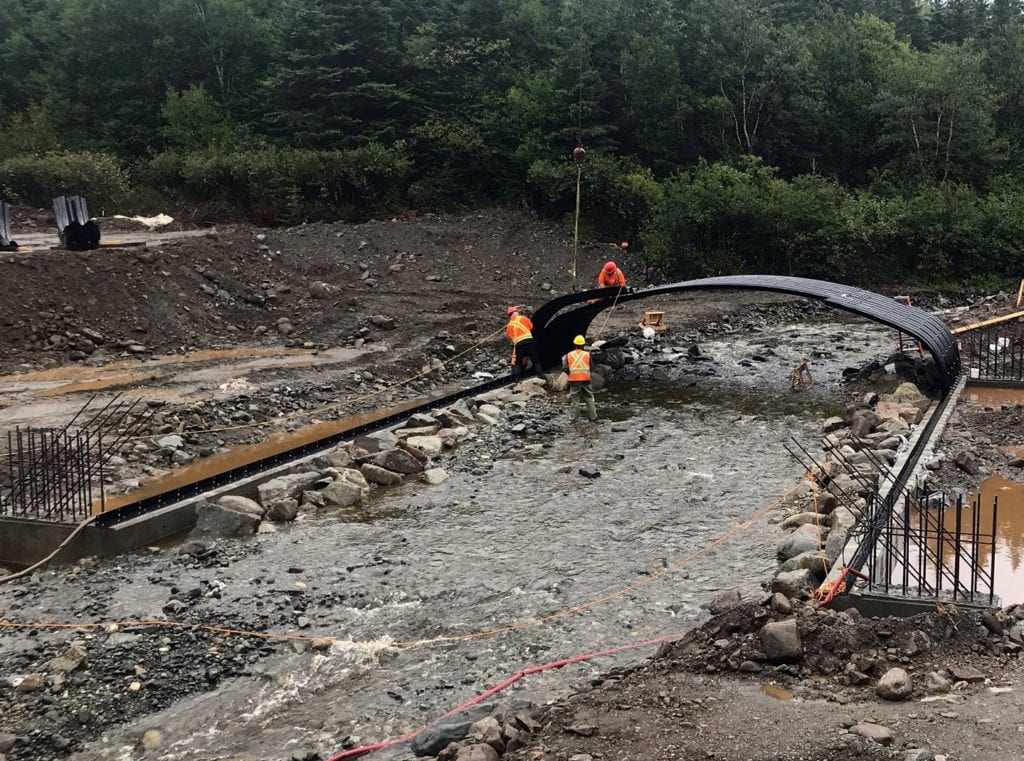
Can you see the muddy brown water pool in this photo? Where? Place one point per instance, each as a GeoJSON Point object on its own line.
{"type": "Point", "coordinates": [505, 542]}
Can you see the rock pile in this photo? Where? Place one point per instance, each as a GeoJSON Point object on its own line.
{"type": "Point", "coordinates": [832, 652]}
{"type": "Point", "coordinates": [347, 476]}
{"type": "Point", "coordinates": [859, 447]}
{"type": "Point", "coordinates": [483, 732]}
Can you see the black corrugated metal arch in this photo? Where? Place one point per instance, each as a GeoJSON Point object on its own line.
{"type": "Point", "coordinates": [554, 328]}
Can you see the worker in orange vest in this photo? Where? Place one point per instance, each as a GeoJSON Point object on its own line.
{"type": "Point", "coordinates": [611, 276]}
{"type": "Point", "coordinates": [519, 329]}
{"type": "Point", "coordinates": [577, 364]}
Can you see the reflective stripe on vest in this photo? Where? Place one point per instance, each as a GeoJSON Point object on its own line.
{"type": "Point", "coordinates": [518, 329]}
{"type": "Point", "coordinates": [579, 365]}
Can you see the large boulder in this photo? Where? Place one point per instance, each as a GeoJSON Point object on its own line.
{"type": "Point", "coordinates": [380, 476]}
{"type": "Point", "coordinates": [218, 520]}
{"type": "Point", "coordinates": [895, 684]}
{"type": "Point", "coordinates": [803, 539]}
{"type": "Point", "coordinates": [241, 504]}
{"type": "Point", "coordinates": [863, 423]}
{"type": "Point", "coordinates": [396, 460]}
{"type": "Point", "coordinates": [450, 729]}
{"type": "Point", "coordinates": [725, 602]}
{"type": "Point", "coordinates": [431, 445]}
{"type": "Point", "coordinates": [794, 583]}
{"type": "Point", "coordinates": [780, 641]}
{"type": "Point", "coordinates": [283, 510]}
{"type": "Point", "coordinates": [813, 561]}
{"type": "Point", "coordinates": [349, 488]}
{"type": "Point", "coordinates": [276, 494]}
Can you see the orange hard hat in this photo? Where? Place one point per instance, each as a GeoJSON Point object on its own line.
{"type": "Point", "coordinates": [610, 267]}
{"type": "Point", "coordinates": [511, 310]}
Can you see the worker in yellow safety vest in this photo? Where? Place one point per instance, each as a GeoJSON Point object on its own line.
{"type": "Point", "coordinates": [577, 364]}
{"type": "Point", "coordinates": [519, 329]}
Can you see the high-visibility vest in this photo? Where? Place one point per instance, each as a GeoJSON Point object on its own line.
{"type": "Point", "coordinates": [519, 328]}
{"type": "Point", "coordinates": [616, 278]}
{"type": "Point", "coordinates": [578, 361]}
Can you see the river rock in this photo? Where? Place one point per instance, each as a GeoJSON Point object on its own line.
{"type": "Point", "coordinates": [482, 417]}
{"type": "Point", "coordinates": [895, 426]}
{"type": "Point", "coordinates": [380, 476]}
{"type": "Point", "coordinates": [780, 641]}
{"type": "Point", "coordinates": [725, 602]}
{"type": "Point", "coordinates": [217, 520]}
{"type": "Point", "coordinates": [558, 382]}
{"type": "Point", "coordinates": [966, 674]}
{"type": "Point", "coordinates": [283, 510]}
{"type": "Point", "coordinates": [450, 729]}
{"type": "Point", "coordinates": [804, 539]}
{"type": "Point", "coordinates": [802, 519]}
{"type": "Point", "coordinates": [937, 683]}
{"type": "Point", "coordinates": [31, 683]}
{"type": "Point", "coordinates": [241, 504]}
{"type": "Point", "coordinates": [420, 420]}
{"type": "Point", "coordinates": [781, 604]}
{"type": "Point", "coordinates": [874, 732]}
{"type": "Point", "coordinates": [895, 684]}
{"type": "Point", "coordinates": [397, 460]}
{"type": "Point", "coordinates": [285, 488]}
{"type": "Point", "coordinates": [384, 322]}
{"type": "Point", "coordinates": [967, 464]}
{"type": "Point", "coordinates": [832, 424]}
{"type": "Point", "coordinates": [152, 739]}
{"type": "Point", "coordinates": [814, 561]}
{"type": "Point", "coordinates": [842, 518]}
{"type": "Point", "coordinates": [435, 476]}
{"type": "Point", "coordinates": [794, 583]}
{"type": "Point", "coordinates": [477, 752]}
{"type": "Point", "coordinates": [491, 410]}
{"type": "Point", "coordinates": [170, 442]}
{"type": "Point", "coordinates": [7, 741]}
{"type": "Point", "coordinates": [320, 290]}
{"type": "Point", "coordinates": [863, 423]}
{"type": "Point", "coordinates": [71, 659]}
{"type": "Point", "coordinates": [432, 445]}
{"type": "Point", "coordinates": [487, 731]}
{"type": "Point", "coordinates": [349, 488]}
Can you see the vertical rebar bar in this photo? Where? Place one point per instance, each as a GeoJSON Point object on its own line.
{"type": "Point", "coordinates": [941, 531]}
{"type": "Point", "coordinates": [975, 542]}
{"type": "Point", "coordinates": [957, 545]}
{"type": "Point", "coordinates": [992, 557]}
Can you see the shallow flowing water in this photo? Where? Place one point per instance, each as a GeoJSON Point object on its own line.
{"type": "Point", "coordinates": [515, 560]}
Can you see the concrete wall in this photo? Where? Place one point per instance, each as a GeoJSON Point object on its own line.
{"type": "Point", "coordinates": [24, 542]}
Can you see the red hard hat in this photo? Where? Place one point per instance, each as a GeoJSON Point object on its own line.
{"type": "Point", "coordinates": [625, 244]}
{"type": "Point", "coordinates": [511, 310]}
{"type": "Point", "coordinates": [610, 267]}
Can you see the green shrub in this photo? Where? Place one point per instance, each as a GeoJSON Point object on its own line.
{"type": "Point", "coordinates": [617, 194]}
{"type": "Point", "coordinates": [292, 184]}
{"type": "Point", "coordinates": [36, 180]}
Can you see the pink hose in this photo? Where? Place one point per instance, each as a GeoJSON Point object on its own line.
{"type": "Point", "coordinates": [364, 749]}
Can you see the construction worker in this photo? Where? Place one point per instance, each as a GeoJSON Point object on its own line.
{"type": "Point", "coordinates": [577, 364]}
{"type": "Point", "coordinates": [611, 276]}
{"type": "Point", "coordinates": [524, 352]}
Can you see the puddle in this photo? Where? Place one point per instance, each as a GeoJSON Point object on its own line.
{"type": "Point", "coordinates": [247, 453]}
{"type": "Point", "coordinates": [118, 379]}
{"type": "Point", "coordinates": [993, 396]}
{"type": "Point", "coordinates": [1009, 560]}
{"type": "Point", "coordinates": [773, 690]}
{"type": "Point", "coordinates": [1009, 546]}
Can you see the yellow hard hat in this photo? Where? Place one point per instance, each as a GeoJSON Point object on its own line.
{"type": "Point", "coordinates": [579, 340]}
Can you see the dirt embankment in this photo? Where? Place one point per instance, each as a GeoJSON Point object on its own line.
{"type": "Point", "coordinates": [311, 285]}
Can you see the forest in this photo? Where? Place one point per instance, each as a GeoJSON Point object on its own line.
{"type": "Point", "coordinates": [871, 141]}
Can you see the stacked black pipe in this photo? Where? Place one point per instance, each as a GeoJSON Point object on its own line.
{"type": "Point", "coordinates": [76, 230]}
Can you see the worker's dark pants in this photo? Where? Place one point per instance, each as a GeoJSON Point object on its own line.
{"type": "Point", "coordinates": [581, 392]}
{"type": "Point", "coordinates": [526, 357]}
